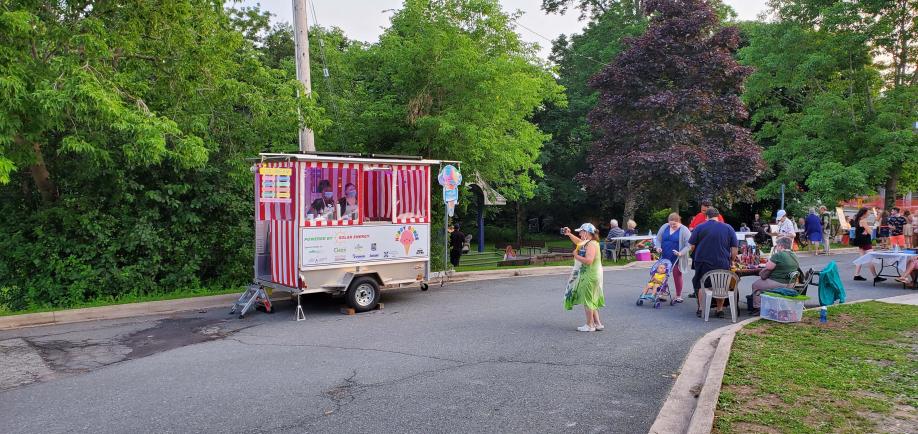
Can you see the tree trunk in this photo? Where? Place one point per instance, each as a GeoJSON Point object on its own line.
{"type": "Point", "coordinates": [674, 202]}
{"type": "Point", "coordinates": [40, 175]}
{"type": "Point", "coordinates": [630, 206]}
{"type": "Point", "coordinates": [892, 183]}
{"type": "Point", "coordinates": [520, 222]}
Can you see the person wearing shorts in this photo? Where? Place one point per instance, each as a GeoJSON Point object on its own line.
{"type": "Point", "coordinates": [897, 229]}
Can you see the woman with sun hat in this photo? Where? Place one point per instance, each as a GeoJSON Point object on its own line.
{"type": "Point", "coordinates": [585, 285]}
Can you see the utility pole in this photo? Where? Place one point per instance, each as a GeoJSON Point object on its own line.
{"type": "Point", "coordinates": [301, 44]}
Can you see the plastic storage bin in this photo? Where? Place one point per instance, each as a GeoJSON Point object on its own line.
{"type": "Point", "coordinates": [780, 309]}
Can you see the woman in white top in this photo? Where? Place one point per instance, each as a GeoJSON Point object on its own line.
{"type": "Point", "coordinates": [786, 227]}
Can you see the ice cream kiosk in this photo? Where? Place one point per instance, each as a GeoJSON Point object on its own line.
{"type": "Point", "coordinates": [339, 223]}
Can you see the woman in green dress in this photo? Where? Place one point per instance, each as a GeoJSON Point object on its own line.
{"type": "Point", "coordinates": [585, 284]}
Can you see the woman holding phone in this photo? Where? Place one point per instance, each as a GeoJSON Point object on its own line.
{"type": "Point", "coordinates": [585, 285]}
{"type": "Point", "coordinates": [672, 244]}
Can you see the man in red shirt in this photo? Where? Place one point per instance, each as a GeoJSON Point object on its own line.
{"type": "Point", "coordinates": [701, 217]}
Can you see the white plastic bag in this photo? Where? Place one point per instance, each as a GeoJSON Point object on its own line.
{"type": "Point", "coordinates": [781, 309]}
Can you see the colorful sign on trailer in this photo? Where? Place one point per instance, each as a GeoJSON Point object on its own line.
{"type": "Point", "coordinates": [355, 244]}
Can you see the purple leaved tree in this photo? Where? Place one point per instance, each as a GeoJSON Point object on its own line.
{"type": "Point", "coordinates": [669, 115]}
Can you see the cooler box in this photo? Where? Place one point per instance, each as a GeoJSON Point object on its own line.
{"type": "Point", "coordinates": [642, 255]}
{"type": "Point", "coordinates": [780, 309]}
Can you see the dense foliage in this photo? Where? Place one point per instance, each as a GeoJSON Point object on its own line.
{"type": "Point", "coordinates": [834, 96]}
{"type": "Point", "coordinates": [123, 136]}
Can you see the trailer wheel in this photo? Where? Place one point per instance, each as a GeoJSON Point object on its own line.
{"type": "Point", "coordinates": [425, 287]}
{"type": "Point", "coordinates": [363, 295]}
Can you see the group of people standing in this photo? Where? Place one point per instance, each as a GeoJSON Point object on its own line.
{"type": "Point", "coordinates": [708, 241]}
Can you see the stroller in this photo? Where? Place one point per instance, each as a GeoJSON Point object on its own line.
{"type": "Point", "coordinates": [663, 290]}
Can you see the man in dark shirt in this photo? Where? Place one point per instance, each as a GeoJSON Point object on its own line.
{"type": "Point", "coordinates": [714, 246]}
{"type": "Point", "coordinates": [896, 225]}
{"type": "Point", "coordinates": [456, 238]}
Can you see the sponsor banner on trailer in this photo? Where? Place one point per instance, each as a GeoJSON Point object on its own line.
{"type": "Point", "coordinates": [350, 244]}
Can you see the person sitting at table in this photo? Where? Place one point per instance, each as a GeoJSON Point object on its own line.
{"type": "Point", "coordinates": [637, 245]}
{"type": "Point", "coordinates": [614, 232]}
{"type": "Point", "coordinates": [744, 228]}
{"type": "Point", "coordinates": [777, 271]}
{"type": "Point", "coordinates": [906, 276]}
{"type": "Point", "coordinates": [761, 229]}
{"type": "Point", "coordinates": [320, 205]}
{"type": "Point", "coordinates": [863, 241]}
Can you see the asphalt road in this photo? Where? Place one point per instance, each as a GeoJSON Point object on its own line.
{"type": "Point", "coordinates": [499, 355]}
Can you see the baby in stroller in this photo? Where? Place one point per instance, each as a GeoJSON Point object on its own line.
{"type": "Point", "coordinates": [657, 290]}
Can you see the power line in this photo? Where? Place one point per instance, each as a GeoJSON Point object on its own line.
{"type": "Point", "coordinates": [325, 74]}
{"type": "Point", "coordinates": [514, 21]}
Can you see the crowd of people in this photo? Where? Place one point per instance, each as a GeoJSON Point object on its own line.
{"type": "Point", "coordinates": [711, 244]}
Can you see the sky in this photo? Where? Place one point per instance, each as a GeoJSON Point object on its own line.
{"type": "Point", "coordinates": [365, 20]}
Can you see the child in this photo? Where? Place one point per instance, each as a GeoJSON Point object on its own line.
{"type": "Point", "coordinates": [655, 282]}
{"type": "Point", "coordinates": [509, 253]}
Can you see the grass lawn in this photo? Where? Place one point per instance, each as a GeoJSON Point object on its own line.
{"type": "Point", "coordinates": [856, 374]}
{"type": "Point", "coordinates": [4, 311]}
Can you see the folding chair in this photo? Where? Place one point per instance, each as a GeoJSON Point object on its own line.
{"type": "Point", "coordinates": [722, 284]}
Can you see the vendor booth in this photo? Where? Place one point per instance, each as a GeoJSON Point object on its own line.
{"type": "Point", "coordinates": [339, 224]}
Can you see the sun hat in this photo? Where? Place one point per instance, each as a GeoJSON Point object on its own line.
{"type": "Point", "coordinates": [588, 227]}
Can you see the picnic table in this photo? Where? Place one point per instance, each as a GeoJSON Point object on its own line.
{"type": "Point", "coordinates": [896, 261]}
{"type": "Point", "coordinates": [617, 242]}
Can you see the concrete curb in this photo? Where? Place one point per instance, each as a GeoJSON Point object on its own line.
{"type": "Point", "coordinates": [694, 395]}
{"type": "Point", "coordinates": [117, 311]}
{"type": "Point", "coordinates": [690, 405]}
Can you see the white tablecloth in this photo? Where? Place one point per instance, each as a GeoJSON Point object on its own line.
{"type": "Point", "coordinates": [888, 258]}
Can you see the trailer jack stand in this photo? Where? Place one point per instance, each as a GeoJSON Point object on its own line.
{"type": "Point", "coordinates": [300, 315]}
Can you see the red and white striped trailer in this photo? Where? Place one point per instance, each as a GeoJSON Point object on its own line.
{"type": "Point", "coordinates": [339, 224]}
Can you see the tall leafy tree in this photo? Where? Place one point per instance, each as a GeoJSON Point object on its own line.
{"type": "Point", "coordinates": [834, 95]}
{"type": "Point", "coordinates": [669, 112]}
{"type": "Point", "coordinates": [124, 130]}
{"type": "Point", "coordinates": [577, 58]}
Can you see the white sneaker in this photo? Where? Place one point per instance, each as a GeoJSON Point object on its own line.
{"type": "Point", "coordinates": [600, 327]}
{"type": "Point", "coordinates": [586, 328]}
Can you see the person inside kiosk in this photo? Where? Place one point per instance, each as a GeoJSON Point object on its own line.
{"type": "Point", "coordinates": [325, 205]}
{"type": "Point", "coordinates": [348, 203]}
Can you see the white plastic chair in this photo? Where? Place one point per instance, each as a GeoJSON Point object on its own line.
{"type": "Point", "coordinates": [723, 284]}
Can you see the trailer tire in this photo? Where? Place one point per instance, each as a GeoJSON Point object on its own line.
{"type": "Point", "coordinates": [363, 294]}
{"type": "Point", "coordinates": [425, 287]}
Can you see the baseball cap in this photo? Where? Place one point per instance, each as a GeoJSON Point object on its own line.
{"type": "Point", "coordinates": [781, 213]}
{"type": "Point", "coordinates": [588, 227]}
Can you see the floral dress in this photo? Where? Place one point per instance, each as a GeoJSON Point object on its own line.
{"type": "Point", "coordinates": [585, 284]}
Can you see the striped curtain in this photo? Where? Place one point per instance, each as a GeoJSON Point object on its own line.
{"type": "Point", "coordinates": [413, 194]}
{"type": "Point", "coordinates": [377, 195]}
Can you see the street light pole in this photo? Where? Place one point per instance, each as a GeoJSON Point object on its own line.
{"type": "Point", "coordinates": [301, 44]}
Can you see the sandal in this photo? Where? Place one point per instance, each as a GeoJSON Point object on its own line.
{"type": "Point", "coordinates": [698, 313]}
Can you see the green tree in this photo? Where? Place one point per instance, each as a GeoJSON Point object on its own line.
{"type": "Point", "coordinates": [123, 137]}
{"type": "Point", "coordinates": [834, 95]}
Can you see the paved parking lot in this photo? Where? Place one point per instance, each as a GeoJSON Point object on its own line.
{"type": "Point", "coordinates": [499, 355]}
